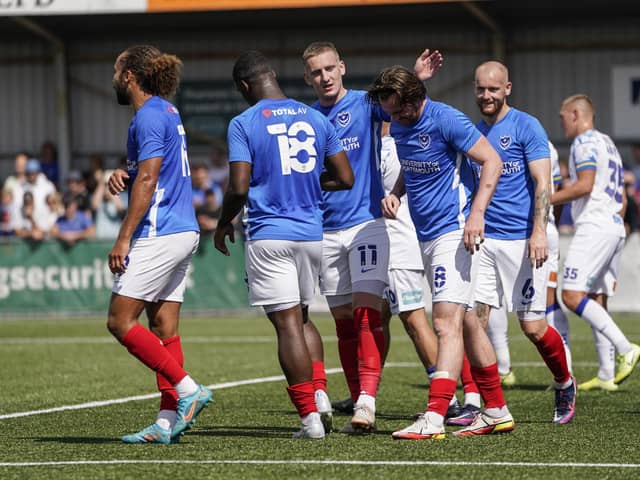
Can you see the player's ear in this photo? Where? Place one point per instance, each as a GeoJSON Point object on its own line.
{"type": "Point", "coordinates": [507, 88]}
{"type": "Point", "coordinates": [343, 67]}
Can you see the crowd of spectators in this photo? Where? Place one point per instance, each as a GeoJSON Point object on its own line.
{"type": "Point", "coordinates": [38, 202]}
{"type": "Point", "coordinates": [34, 205]}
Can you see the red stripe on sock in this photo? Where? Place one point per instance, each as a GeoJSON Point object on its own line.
{"type": "Point", "coordinates": [302, 397]}
{"type": "Point", "coordinates": [441, 391]}
{"type": "Point", "coordinates": [468, 383]}
{"type": "Point", "coordinates": [168, 395]}
{"type": "Point", "coordinates": [146, 347]}
{"type": "Point", "coordinates": [488, 382]}
{"type": "Point", "coordinates": [552, 351]}
{"type": "Point", "coordinates": [348, 351]}
{"type": "Point", "coordinates": [370, 348]}
{"type": "Point", "coordinates": [319, 376]}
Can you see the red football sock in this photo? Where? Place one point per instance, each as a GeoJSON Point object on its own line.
{"type": "Point", "coordinates": [552, 351]}
{"type": "Point", "coordinates": [370, 348]}
{"type": "Point", "coordinates": [319, 376]}
{"type": "Point", "coordinates": [348, 350]}
{"type": "Point", "coordinates": [468, 384]}
{"type": "Point", "coordinates": [302, 397]}
{"type": "Point", "coordinates": [146, 347]}
{"type": "Point", "coordinates": [168, 395]}
{"type": "Point", "coordinates": [488, 382]}
{"type": "Point", "coordinates": [440, 393]}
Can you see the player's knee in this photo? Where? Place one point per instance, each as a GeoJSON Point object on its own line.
{"type": "Point", "coordinates": [572, 299]}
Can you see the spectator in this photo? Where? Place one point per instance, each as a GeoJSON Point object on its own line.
{"type": "Point", "coordinates": [95, 174]}
{"type": "Point", "coordinates": [200, 184]}
{"type": "Point", "coordinates": [18, 176]}
{"type": "Point", "coordinates": [49, 161]}
{"type": "Point", "coordinates": [208, 213]}
{"type": "Point", "coordinates": [73, 225]}
{"type": "Point", "coordinates": [24, 222]}
{"type": "Point", "coordinates": [77, 188]}
{"type": "Point", "coordinates": [53, 212]}
{"type": "Point", "coordinates": [109, 209]}
{"type": "Point", "coordinates": [38, 184]}
{"type": "Point", "coordinates": [6, 208]}
{"type": "Point", "coordinates": [219, 171]}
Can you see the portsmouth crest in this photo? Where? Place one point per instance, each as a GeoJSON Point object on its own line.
{"type": "Point", "coordinates": [505, 141]}
{"type": "Point", "coordinates": [343, 118]}
{"type": "Point", "coordinates": [425, 140]}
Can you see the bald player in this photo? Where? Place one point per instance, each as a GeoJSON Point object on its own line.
{"type": "Point", "coordinates": [591, 266]}
{"type": "Point", "coordinates": [511, 265]}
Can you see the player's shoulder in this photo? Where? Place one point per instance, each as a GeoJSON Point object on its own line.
{"type": "Point", "coordinates": [588, 138]}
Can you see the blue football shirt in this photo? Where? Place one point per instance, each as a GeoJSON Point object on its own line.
{"type": "Point", "coordinates": [156, 131]}
{"type": "Point", "coordinates": [358, 124]}
{"type": "Point", "coordinates": [519, 139]}
{"type": "Point", "coordinates": [438, 178]}
{"type": "Point", "coordinates": [286, 143]}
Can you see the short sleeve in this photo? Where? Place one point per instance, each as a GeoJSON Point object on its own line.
{"type": "Point", "coordinates": [238, 143]}
{"type": "Point", "coordinates": [457, 129]}
{"type": "Point", "coordinates": [150, 134]}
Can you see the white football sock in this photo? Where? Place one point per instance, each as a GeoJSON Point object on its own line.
{"type": "Point", "coordinates": [186, 387]}
{"type": "Point", "coordinates": [497, 332]}
{"type": "Point", "coordinates": [606, 356]}
{"type": "Point", "coordinates": [600, 320]}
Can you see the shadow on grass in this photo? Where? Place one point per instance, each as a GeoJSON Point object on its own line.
{"type": "Point", "coordinates": [244, 431]}
{"type": "Point", "coordinates": [87, 440]}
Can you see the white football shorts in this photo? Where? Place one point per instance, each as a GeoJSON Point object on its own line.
{"type": "Point", "coordinates": [157, 268]}
{"type": "Point", "coordinates": [354, 254]}
{"type": "Point", "coordinates": [447, 266]}
{"type": "Point", "coordinates": [592, 262]}
{"type": "Point", "coordinates": [553, 242]}
{"type": "Point", "coordinates": [406, 290]}
{"type": "Point", "coordinates": [282, 272]}
{"type": "Point", "coordinates": [504, 270]}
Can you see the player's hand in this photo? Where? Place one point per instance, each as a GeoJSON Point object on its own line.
{"type": "Point", "coordinates": [390, 205]}
{"type": "Point", "coordinates": [219, 237]}
{"type": "Point", "coordinates": [474, 232]}
{"type": "Point", "coordinates": [538, 248]}
{"type": "Point", "coordinates": [428, 64]}
{"type": "Point", "coordinates": [118, 256]}
{"type": "Point", "coordinates": [117, 181]}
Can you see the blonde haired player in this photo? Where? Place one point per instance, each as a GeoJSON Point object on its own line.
{"type": "Point", "coordinates": [597, 198]}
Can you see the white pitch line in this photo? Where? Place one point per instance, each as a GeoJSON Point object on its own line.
{"type": "Point", "coordinates": [321, 462]}
{"type": "Point", "coordinates": [221, 386]}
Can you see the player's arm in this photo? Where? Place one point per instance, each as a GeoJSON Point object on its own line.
{"type": "Point", "coordinates": [484, 155]}
{"type": "Point", "coordinates": [234, 199]}
{"type": "Point", "coordinates": [338, 174]}
{"type": "Point", "coordinates": [391, 202]}
{"type": "Point", "coordinates": [142, 192]}
{"type": "Point", "coordinates": [581, 187]}
{"type": "Point", "coordinates": [540, 171]}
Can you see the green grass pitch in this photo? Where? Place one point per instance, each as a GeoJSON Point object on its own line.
{"type": "Point", "coordinates": [246, 432]}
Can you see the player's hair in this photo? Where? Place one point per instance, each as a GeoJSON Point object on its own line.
{"type": "Point", "coordinates": [400, 80]}
{"type": "Point", "coordinates": [495, 64]}
{"type": "Point", "coordinates": [156, 72]}
{"type": "Point", "coordinates": [582, 101]}
{"type": "Point", "coordinates": [250, 65]}
{"type": "Point", "coordinates": [316, 48]}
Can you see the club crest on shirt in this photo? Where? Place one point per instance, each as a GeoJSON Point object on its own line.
{"type": "Point", "coordinates": [505, 141]}
{"type": "Point", "coordinates": [425, 140]}
{"type": "Point", "coordinates": [343, 118]}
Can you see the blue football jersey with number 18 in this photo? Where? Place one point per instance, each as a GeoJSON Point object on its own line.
{"type": "Point", "coordinates": [156, 131]}
{"type": "Point", "coordinates": [286, 143]}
